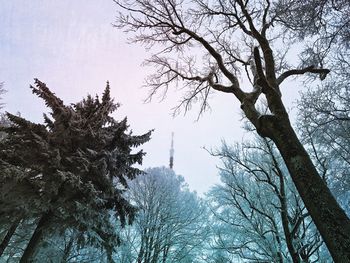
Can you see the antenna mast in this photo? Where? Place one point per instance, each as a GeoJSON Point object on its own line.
{"type": "Point", "coordinates": [171, 162]}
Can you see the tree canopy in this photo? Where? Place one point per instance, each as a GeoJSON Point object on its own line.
{"type": "Point", "coordinates": [72, 188]}
{"type": "Point", "coordinates": [208, 45]}
{"type": "Point", "coordinates": [72, 170]}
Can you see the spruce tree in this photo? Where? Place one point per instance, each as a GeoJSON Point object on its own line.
{"type": "Point", "coordinates": [74, 169]}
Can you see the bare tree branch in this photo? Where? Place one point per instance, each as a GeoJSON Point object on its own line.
{"type": "Point", "coordinates": [311, 69]}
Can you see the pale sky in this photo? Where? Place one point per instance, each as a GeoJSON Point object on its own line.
{"type": "Point", "coordinates": [73, 48]}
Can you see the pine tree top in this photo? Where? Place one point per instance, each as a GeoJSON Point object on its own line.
{"type": "Point", "coordinates": [78, 161]}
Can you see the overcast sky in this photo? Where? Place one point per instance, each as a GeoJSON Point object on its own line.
{"type": "Point", "coordinates": [73, 48]}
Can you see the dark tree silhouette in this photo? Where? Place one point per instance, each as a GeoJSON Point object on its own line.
{"type": "Point", "coordinates": [74, 169]}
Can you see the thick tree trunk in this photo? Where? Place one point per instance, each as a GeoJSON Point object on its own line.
{"type": "Point", "coordinates": [328, 216]}
{"type": "Point", "coordinates": [8, 236]}
{"type": "Point", "coordinates": [32, 247]}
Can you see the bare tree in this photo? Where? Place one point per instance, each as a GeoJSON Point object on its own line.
{"type": "Point", "coordinates": [231, 35]}
{"type": "Point", "coordinates": [326, 23]}
{"type": "Point", "coordinates": [324, 121]}
{"type": "Point", "coordinates": [169, 224]}
{"type": "Point", "coordinates": [252, 202]}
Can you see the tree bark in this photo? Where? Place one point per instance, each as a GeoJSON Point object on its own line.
{"type": "Point", "coordinates": [328, 216]}
{"type": "Point", "coordinates": [8, 236]}
{"type": "Point", "coordinates": [32, 247]}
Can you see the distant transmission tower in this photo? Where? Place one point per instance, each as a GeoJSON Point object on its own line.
{"type": "Point", "coordinates": [171, 163]}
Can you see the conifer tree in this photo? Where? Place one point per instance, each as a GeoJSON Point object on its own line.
{"type": "Point", "coordinates": [74, 169]}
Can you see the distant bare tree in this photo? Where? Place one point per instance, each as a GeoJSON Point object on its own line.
{"type": "Point", "coordinates": [170, 223]}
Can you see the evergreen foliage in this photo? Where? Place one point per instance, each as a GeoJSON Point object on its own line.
{"type": "Point", "coordinates": [73, 168]}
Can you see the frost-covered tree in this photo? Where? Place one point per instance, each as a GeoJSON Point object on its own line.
{"type": "Point", "coordinates": [170, 222]}
{"type": "Point", "coordinates": [324, 111]}
{"type": "Point", "coordinates": [7, 226]}
{"type": "Point", "coordinates": [211, 46]}
{"type": "Point", "coordinates": [323, 23]}
{"type": "Point", "coordinates": [71, 171]}
{"type": "Point", "coordinates": [324, 122]}
{"type": "Point", "coordinates": [67, 247]}
{"type": "Point", "coordinates": [258, 214]}
{"type": "Point", "coordinates": [2, 91]}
